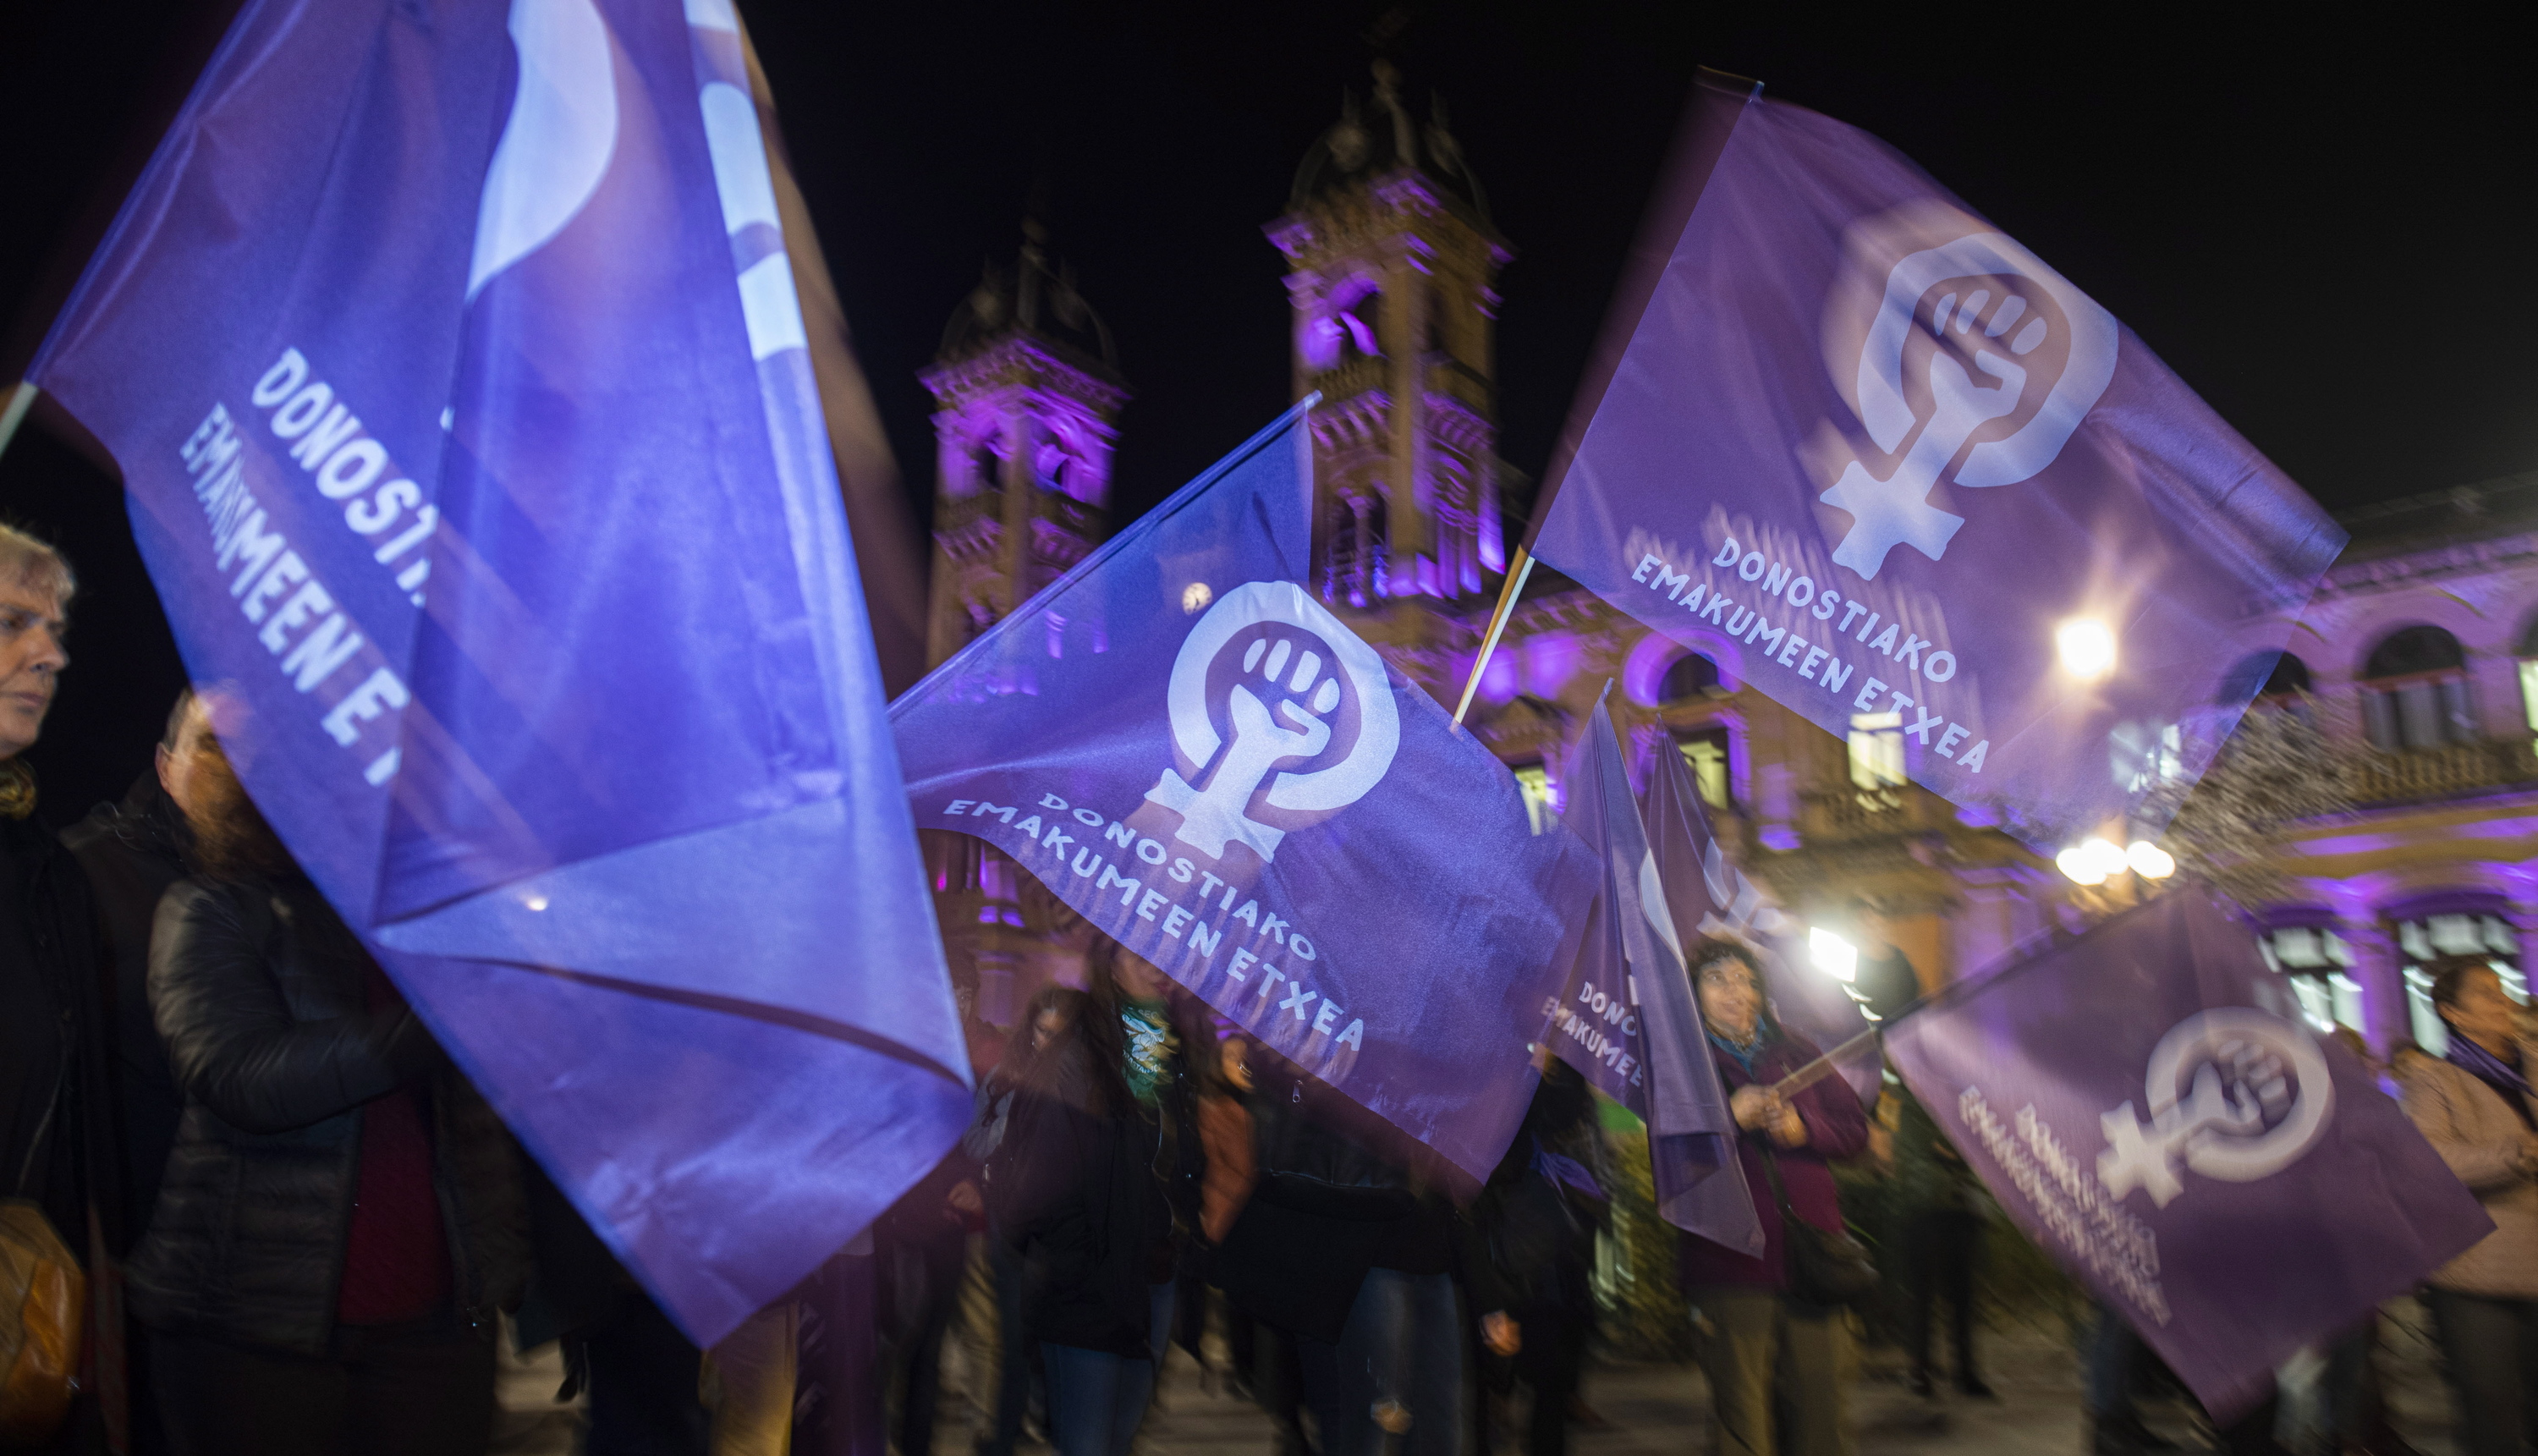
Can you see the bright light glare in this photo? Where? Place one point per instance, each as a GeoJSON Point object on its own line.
{"type": "Point", "coordinates": [2086, 649]}
{"type": "Point", "coordinates": [2105, 855]}
{"type": "Point", "coordinates": [2150, 861]}
{"type": "Point", "coordinates": [2080, 866]}
{"type": "Point", "coordinates": [1833, 955]}
{"type": "Point", "coordinates": [1196, 595]}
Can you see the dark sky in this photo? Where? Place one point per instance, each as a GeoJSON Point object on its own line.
{"type": "Point", "coordinates": [2326, 229]}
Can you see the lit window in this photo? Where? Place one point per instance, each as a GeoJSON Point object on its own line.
{"type": "Point", "coordinates": [1876, 750]}
{"type": "Point", "coordinates": [2434, 938]}
{"type": "Point", "coordinates": [2415, 691]}
{"type": "Point", "coordinates": [2318, 964]}
{"type": "Point", "coordinates": [1705, 752]}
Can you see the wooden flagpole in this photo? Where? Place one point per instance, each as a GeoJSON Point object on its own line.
{"type": "Point", "coordinates": [1522, 567]}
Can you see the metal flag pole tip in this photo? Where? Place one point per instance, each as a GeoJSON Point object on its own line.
{"type": "Point", "coordinates": [13, 413]}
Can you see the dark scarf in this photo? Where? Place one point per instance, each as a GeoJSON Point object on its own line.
{"type": "Point", "coordinates": [2495, 1073]}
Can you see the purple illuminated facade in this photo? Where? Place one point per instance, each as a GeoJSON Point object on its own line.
{"type": "Point", "coordinates": [2421, 656]}
{"type": "Point", "coordinates": [2422, 649]}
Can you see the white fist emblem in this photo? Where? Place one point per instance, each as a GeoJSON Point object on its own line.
{"type": "Point", "coordinates": [1280, 717]}
{"type": "Point", "coordinates": [2036, 347]}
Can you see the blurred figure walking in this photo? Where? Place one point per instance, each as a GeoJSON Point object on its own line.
{"type": "Point", "coordinates": [1766, 1349]}
{"type": "Point", "coordinates": [2477, 1110]}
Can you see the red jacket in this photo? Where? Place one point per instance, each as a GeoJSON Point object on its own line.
{"type": "Point", "coordinates": [1837, 1129]}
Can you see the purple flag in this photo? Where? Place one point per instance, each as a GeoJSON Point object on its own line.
{"type": "Point", "coordinates": [1626, 1020]}
{"type": "Point", "coordinates": [1213, 769]}
{"type": "Point", "coordinates": [1885, 464]}
{"type": "Point", "coordinates": [2147, 1106]}
{"type": "Point", "coordinates": [1708, 897]}
{"type": "Point", "coordinates": [470, 434]}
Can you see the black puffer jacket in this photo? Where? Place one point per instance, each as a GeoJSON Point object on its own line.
{"type": "Point", "coordinates": [258, 989]}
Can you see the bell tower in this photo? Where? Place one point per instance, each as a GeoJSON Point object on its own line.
{"type": "Point", "coordinates": [1026, 400]}
{"type": "Point", "coordinates": [1391, 272]}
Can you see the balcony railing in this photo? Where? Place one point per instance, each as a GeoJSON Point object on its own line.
{"type": "Point", "coordinates": [1855, 813]}
{"type": "Point", "coordinates": [2378, 777]}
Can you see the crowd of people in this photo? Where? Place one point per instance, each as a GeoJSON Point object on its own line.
{"type": "Point", "coordinates": [301, 1230]}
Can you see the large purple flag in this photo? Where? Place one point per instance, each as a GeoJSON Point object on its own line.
{"type": "Point", "coordinates": [1708, 897]}
{"type": "Point", "coordinates": [469, 429]}
{"type": "Point", "coordinates": [1625, 1019]}
{"type": "Point", "coordinates": [1886, 465]}
{"type": "Point", "coordinates": [2148, 1105]}
{"type": "Point", "coordinates": [1187, 748]}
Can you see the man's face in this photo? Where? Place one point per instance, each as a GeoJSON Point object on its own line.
{"type": "Point", "coordinates": [183, 770]}
{"type": "Point", "coordinates": [2483, 1012]}
{"type": "Point", "coordinates": [31, 663]}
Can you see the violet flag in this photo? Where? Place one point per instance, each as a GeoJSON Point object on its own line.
{"type": "Point", "coordinates": [1626, 1020]}
{"type": "Point", "coordinates": [469, 429]}
{"type": "Point", "coordinates": [1885, 464]}
{"type": "Point", "coordinates": [2149, 1107]}
{"type": "Point", "coordinates": [1708, 896]}
{"type": "Point", "coordinates": [1187, 746]}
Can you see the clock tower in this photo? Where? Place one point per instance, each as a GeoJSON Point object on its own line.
{"type": "Point", "coordinates": [1392, 268]}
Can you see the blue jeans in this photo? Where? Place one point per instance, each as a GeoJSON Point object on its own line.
{"type": "Point", "coordinates": [1097, 1400]}
{"type": "Point", "coordinates": [2114, 1351]}
{"type": "Point", "coordinates": [1401, 1353]}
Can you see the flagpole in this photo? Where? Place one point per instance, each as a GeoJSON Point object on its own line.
{"type": "Point", "coordinates": [13, 413]}
{"type": "Point", "coordinates": [1523, 567]}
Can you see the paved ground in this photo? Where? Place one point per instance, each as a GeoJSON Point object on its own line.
{"type": "Point", "coordinates": [1658, 1410]}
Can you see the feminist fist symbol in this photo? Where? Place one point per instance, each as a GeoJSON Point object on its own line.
{"type": "Point", "coordinates": [1897, 511]}
{"type": "Point", "coordinates": [1215, 815]}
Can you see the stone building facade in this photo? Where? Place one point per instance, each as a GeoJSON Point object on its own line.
{"type": "Point", "coordinates": [2419, 651]}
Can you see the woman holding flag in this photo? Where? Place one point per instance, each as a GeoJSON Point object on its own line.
{"type": "Point", "coordinates": [1764, 1346]}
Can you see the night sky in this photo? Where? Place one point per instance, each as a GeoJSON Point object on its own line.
{"type": "Point", "coordinates": [2329, 235]}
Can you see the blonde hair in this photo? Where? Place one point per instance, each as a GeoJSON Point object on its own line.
{"type": "Point", "coordinates": [29, 562]}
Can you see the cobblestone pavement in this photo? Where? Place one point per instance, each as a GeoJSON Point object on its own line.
{"type": "Point", "coordinates": [1658, 1410]}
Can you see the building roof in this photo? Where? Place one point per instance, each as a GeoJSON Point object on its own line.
{"type": "Point", "coordinates": [1034, 298]}
{"type": "Point", "coordinates": [1383, 137]}
{"type": "Point", "coordinates": [2501, 506]}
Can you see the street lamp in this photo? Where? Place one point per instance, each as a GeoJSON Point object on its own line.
{"type": "Point", "coordinates": [1833, 955]}
{"type": "Point", "coordinates": [2086, 646]}
{"type": "Point", "coordinates": [2098, 860]}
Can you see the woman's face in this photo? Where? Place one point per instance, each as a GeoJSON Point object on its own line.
{"type": "Point", "coordinates": [1730, 1001]}
{"type": "Point", "coordinates": [1047, 1027]}
{"type": "Point", "coordinates": [1137, 978]}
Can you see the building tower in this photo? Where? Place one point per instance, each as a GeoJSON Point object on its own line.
{"type": "Point", "coordinates": [1027, 399]}
{"type": "Point", "coordinates": [1391, 267]}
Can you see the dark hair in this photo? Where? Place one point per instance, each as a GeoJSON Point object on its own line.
{"type": "Point", "coordinates": [1708, 952]}
{"type": "Point", "coordinates": [1200, 1065]}
{"type": "Point", "coordinates": [232, 838]}
{"type": "Point", "coordinates": [2449, 978]}
{"type": "Point", "coordinates": [1020, 1055]}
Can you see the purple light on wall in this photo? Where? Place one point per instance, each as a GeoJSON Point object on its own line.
{"type": "Point", "coordinates": [1549, 661]}
{"type": "Point", "coordinates": [1779, 837]}
{"type": "Point", "coordinates": [1499, 682]}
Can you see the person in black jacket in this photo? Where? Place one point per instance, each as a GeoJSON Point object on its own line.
{"type": "Point", "coordinates": [341, 1214]}
{"type": "Point", "coordinates": [132, 852]}
{"type": "Point", "coordinates": [57, 1114]}
{"type": "Point", "coordinates": [1536, 1221]}
{"type": "Point", "coordinates": [1098, 1183]}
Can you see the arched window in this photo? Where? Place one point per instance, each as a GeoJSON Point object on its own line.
{"type": "Point", "coordinates": [1689, 679]}
{"type": "Point", "coordinates": [2271, 677]}
{"type": "Point", "coordinates": [2528, 655]}
{"type": "Point", "coordinates": [2413, 690]}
